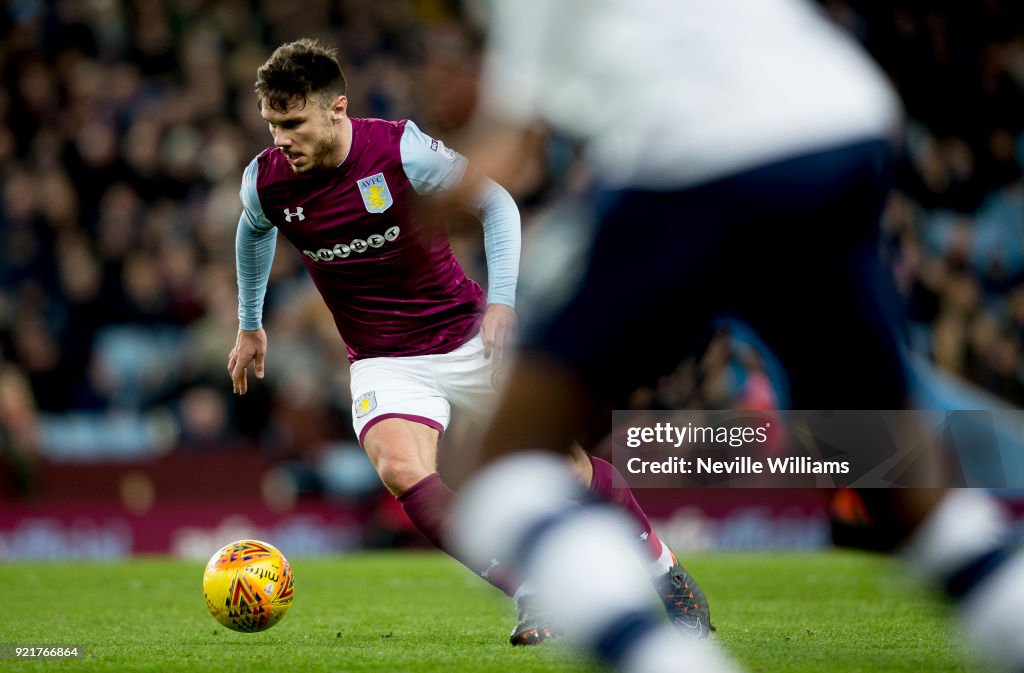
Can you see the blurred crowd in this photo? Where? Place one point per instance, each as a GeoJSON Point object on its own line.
{"type": "Point", "coordinates": [125, 125]}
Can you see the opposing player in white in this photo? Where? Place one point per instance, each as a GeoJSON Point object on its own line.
{"type": "Point", "coordinates": [740, 153]}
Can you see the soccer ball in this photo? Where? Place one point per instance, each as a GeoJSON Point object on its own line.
{"type": "Point", "coordinates": [248, 586]}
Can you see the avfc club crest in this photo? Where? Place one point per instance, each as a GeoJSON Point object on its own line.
{"type": "Point", "coordinates": [364, 404]}
{"type": "Point", "coordinates": [376, 196]}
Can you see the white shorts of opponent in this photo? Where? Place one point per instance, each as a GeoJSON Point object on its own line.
{"type": "Point", "coordinates": [423, 388]}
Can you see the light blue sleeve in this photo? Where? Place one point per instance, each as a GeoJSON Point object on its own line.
{"type": "Point", "coordinates": [430, 166]}
{"type": "Point", "coordinates": [433, 168]}
{"type": "Point", "coordinates": [502, 241]}
{"type": "Point", "coordinates": [255, 243]}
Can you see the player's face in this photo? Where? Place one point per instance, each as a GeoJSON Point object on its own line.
{"type": "Point", "coordinates": [307, 132]}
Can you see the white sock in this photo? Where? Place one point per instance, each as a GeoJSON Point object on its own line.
{"type": "Point", "coordinates": [589, 596]}
{"type": "Point", "coordinates": [965, 524]}
{"type": "Point", "coordinates": [991, 615]}
{"type": "Point", "coordinates": [663, 563]}
{"type": "Point", "coordinates": [584, 569]}
{"type": "Point", "coordinates": [524, 590]}
{"type": "Point", "coordinates": [587, 573]}
{"type": "Point", "coordinates": [498, 506]}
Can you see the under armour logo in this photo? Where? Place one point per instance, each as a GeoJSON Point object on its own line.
{"type": "Point", "coordinates": [288, 214]}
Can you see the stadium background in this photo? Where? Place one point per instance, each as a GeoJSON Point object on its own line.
{"type": "Point", "coordinates": [124, 127]}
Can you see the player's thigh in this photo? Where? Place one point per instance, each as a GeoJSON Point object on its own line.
{"type": "Point", "coordinates": [396, 388]}
{"type": "Point", "coordinates": [402, 451]}
{"type": "Point", "coordinates": [468, 380]}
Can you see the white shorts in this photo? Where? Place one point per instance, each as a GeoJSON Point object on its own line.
{"type": "Point", "coordinates": [422, 388]}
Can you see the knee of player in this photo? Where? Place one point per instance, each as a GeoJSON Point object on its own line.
{"type": "Point", "coordinates": [400, 471]}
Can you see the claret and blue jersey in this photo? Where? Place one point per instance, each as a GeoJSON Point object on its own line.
{"type": "Point", "coordinates": [373, 247]}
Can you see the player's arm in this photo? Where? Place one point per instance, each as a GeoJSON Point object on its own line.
{"type": "Point", "coordinates": [502, 243]}
{"type": "Point", "coordinates": [433, 168]}
{"type": "Point", "coordinates": [255, 243]}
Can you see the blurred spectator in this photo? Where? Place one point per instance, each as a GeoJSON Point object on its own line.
{"type": "Point", "coordinates": [19, 431]}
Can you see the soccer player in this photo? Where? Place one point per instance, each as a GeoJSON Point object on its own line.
{"type": "Point", "coordinates": [740, 154]}
{"type": "Point", "coordinates": [354, 198]}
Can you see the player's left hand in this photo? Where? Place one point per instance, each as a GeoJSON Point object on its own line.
{"type": "Point", "coordinates": [497, 331]}
{"type": "Point", "coordinates": [250, 347]}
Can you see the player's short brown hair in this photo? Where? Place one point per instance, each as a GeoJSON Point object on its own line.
{"type": "Point", "coordinates": [303, 69]}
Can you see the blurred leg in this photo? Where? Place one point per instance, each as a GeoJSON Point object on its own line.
{"type": "Point", "coordinates": [580, 559]}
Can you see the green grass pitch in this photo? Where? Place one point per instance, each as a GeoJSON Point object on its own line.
{"type": "Point", "coordinates": [420, 612]}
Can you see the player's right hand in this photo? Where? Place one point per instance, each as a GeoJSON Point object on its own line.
{"type": "Point", "coordinates": [250, 346]}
